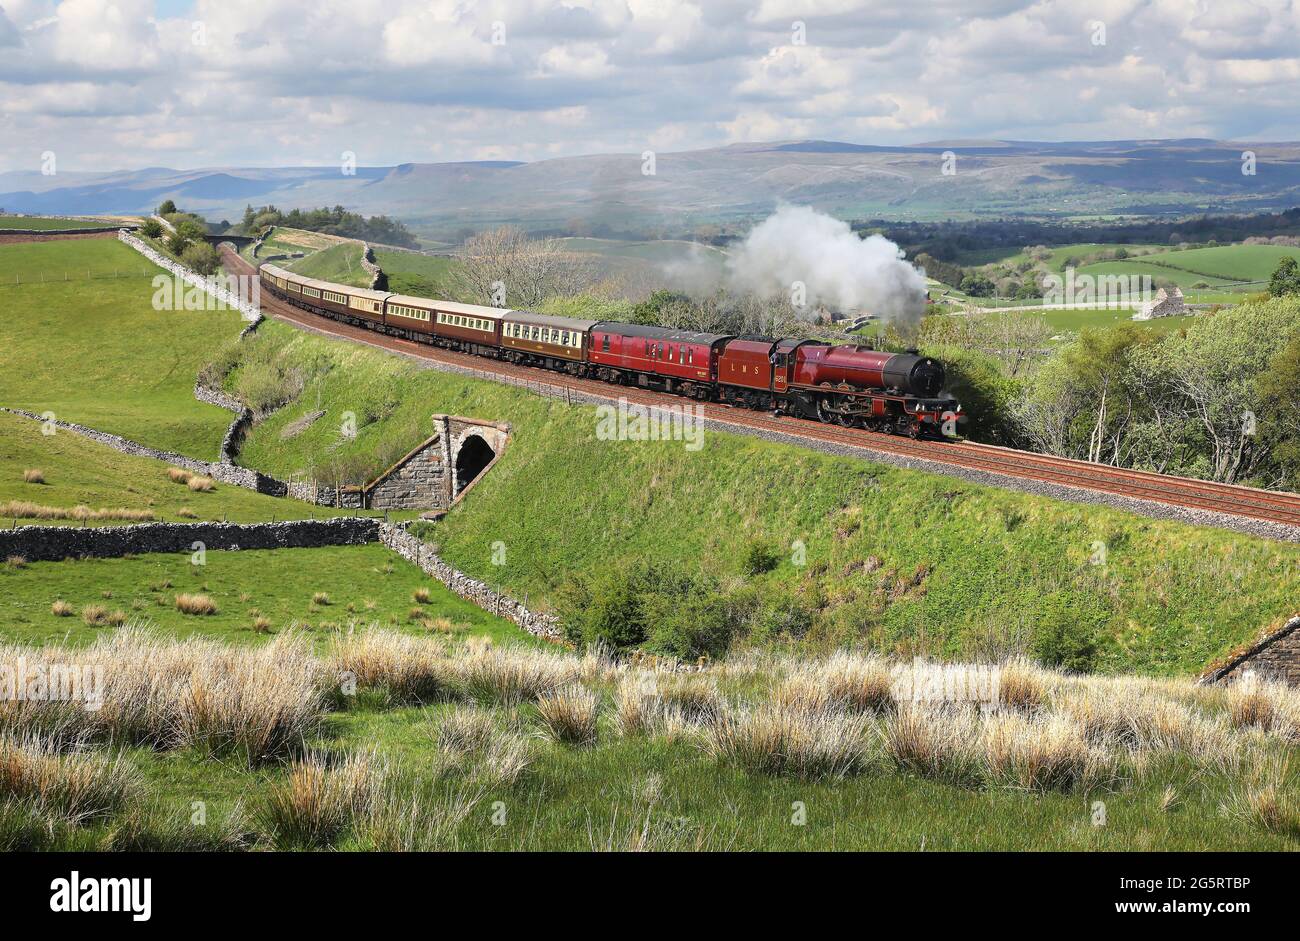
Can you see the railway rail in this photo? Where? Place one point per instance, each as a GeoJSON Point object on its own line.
{"type": "Point", "coordinates": [1182, 492]}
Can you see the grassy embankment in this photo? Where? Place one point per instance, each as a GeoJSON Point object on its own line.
{"type": "Point", "coordinates": [339, 263]}
{"type": "Point", "coordinates": [902, 561]}
{"type": "Point", "coordinates": [417, 275]}
{"type": "Point", "coordinates": [50, 225]}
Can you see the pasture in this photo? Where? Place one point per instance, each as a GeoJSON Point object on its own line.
{"type": "Point", "coordinates": [93, 350]}
{"type": "Point", "coordinates": [77, 472]}
{"type": "Point", "coordinates": [46, 224]}
{"type": "Point", "coordinates": [417, 275]}
{"type": "Point", "coordinates": [311, 589]}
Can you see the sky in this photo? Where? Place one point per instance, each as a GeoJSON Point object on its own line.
{"type": "Point", "coordinates": [115, 84]}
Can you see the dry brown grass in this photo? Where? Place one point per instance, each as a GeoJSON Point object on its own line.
{"type": "Point", "coordinates": [201, 484]}
{"type": "Point", "coordinates": [639, 710]}
{"type": "Point", "coordinates": [1270, 706]}
{"type": "Point", "coordinates": [421, 595]}
{"type": "Point", "coordinates": [61, 609]}
{"type": "Point", "coordinates": [409, 669]}
{"type": "Point", "coordinates": [186, 513]}
{"type": "Point", "coordinates": [511, 676]}
{"type": "Point", "coordinates": [322, 800]}
{"type": "Point", "coordinates": [178, 476]}
{"type": "Point", "coordinates": [569, 714]}
{"type": "Point", "coordinates": [200, 605]}
{"type": "Point", "coordinates": [1265, 799]}
{"type": "Point", "coordinates": [935, 742]}
{"type": "Point", "coordinates": [94, 615]}
{"type": "Point", "coordinates": [771, 739]}
{"type": "Point", "coordinates": [33, 476]}
{"type": "Point", "coordinates": [25, 509]}
{"type": "Point", "coordinates": [16, 561]}
{"type": "Point", "coordinates": [261, 625]}
{"type": "Point", "coordinates": [59, 778]}
{"type": "Point", "coordinates": [1022, 685]}
{"type": "Point", "coordinates": [320, 598]}
{"type": "Point", "coordinates": [1040, 753]}
{"type": "Point", "coordinates": [255, 702]}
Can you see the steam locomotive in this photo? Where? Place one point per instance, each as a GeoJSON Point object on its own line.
{"type": "Point", "coordinates": [853, 386]}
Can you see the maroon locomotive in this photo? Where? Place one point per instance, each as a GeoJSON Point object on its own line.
{"type": "Point", "coordinates": [854, 386]}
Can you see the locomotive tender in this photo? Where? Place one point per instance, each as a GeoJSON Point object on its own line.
{"type": "Point", "coordinates": [853, 386]}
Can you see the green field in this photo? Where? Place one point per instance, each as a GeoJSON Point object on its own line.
{"type": "Point", "coordinates": [365, 585]}
{"type": "Point", "coordinates": [417, 275]}
{"type": "Point", "coordinates": [81, 472]}
{"type": "Point", "coordinates": [50, 225]}
{"type": "Point", "coordinates": [95, 352]}
{"type": "Point", "coordinates": [340, 264]}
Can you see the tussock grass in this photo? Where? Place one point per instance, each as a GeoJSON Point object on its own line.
{"type": "Point", "coordinates": [842, 682]}
{"type": "Point", "coordinates": [33, 476]}
{"type": "Point", "coordinates": [1022, 685]}
{"type": "Point", "coordinates": [154, 828]}
{"type": "Point", "coordinates": [421, 595]}
{"type": "Point", "coordinates": [417, 816]}
{"type": "Point", "coordinates": [1264, 799]}
{"type": "Point", "coordinates": [639, 710]}
{"type": "Point", "coordinates": [256, 703]}
{"type": "Point", "coordinates": [320, 598]}
{"type": "Point", "coordinates": [1041, 753]}
{"type": "Point", "coordinates": [178, 476]}
{"type": "Point", "coordinates": [59, 780]}
{"type": "Point", "coordinates": [321, 800]}
{"type": "Point", "coordinates": [569, 714]}
{"type": "Point", "coordinates": [935, 742]}
{"type": "Point", "coordinates": [1270, 706]}
{"type": "Point", "coordinates": [201, 484]}
{"type": "Point", "coordinates": [409, 669]}
{"type": "Point", "coordinates": [16, 561]}
{"type": "Point", "coordinates": [195, 604]}
{"type": "Point", "coordinates": [61, 609]}
{"type": "Point", "coordinates": [95, 615]}
{"type": "Point", "coordinates": [771, 739]}
{"type": "Point", "coordinates": [25, 509]}
{"type": "Point", "coordinates": [512, 676]}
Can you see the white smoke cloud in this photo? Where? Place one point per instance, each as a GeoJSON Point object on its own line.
{"type": "Point", "coordinates": [838, 269]}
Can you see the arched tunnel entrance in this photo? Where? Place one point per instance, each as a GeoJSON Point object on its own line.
{"type": "Point", "coordinates": [474, 456]}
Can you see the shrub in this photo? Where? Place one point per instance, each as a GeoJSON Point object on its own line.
{"type": "Point", "coordinates": [195, 604]}
{"type": "Point", "coordinates": [1065, 639]}
{"type": "Point", "coordinates": [33, 476]}
{"type": "Point", "coordinates": [757, 557]}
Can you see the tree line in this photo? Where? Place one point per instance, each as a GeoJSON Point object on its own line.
{"type": "Point", "coordinates": [330, 221]}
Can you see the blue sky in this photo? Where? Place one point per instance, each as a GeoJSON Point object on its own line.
{"type": "Point", "coordinates": [128, 83]}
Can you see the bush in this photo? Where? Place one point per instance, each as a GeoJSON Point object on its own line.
{"type": "Point", "coordinates": [151, 228]}
{"type": "Point", "coordinates": [1066, 637]}
{"type": "Point", "coordinates": [757, 558]}
{"type": "Point", "coordinates": [202, 258]}
{"type": "Point", "coordinates": [658, 606]}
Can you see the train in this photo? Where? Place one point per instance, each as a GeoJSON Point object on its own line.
{"type": "Point", "coordinates": [849, 385]}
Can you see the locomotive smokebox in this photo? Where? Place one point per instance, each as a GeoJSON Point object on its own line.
{"type": "Point", "coordinates": [918, 375]}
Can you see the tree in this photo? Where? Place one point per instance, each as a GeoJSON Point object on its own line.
{"type": "Point", "coordinates": [202, 258]}
{"type": "Point", "coordinates": [505, 266]}
{"type": "Point", "coordinates": [1286, 278]}
{"type": "Point", "coordinates": [977, 285]}
{"type": "Point", "coordinates": [166, 208]}
{"type": "Point", "coordinates": [151, 228]}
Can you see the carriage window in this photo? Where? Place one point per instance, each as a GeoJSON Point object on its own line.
{"type": "Point", "coordinates": [604, 345]}
{"type": "Point", "coordinates": [690, 355]}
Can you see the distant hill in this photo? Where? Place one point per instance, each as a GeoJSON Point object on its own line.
{"type": "Point", "coordinates": [608, 195]}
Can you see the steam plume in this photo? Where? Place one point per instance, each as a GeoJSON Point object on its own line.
{"type": "Point", "coordinates": [839, 269]}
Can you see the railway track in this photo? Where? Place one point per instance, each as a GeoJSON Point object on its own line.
{"type": "Point", "coordinates": [1182, 492]}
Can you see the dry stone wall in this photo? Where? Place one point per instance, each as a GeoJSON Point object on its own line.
{"type": "Point", "coordinates": [248, 311]}
{"type": "Point", "coordinates": [424, 556]}
{"type": "Point", "coordinates": [55, 543]}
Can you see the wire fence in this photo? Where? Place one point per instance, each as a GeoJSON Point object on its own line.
{"type": "Point", "coordinates": [68, 275]}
